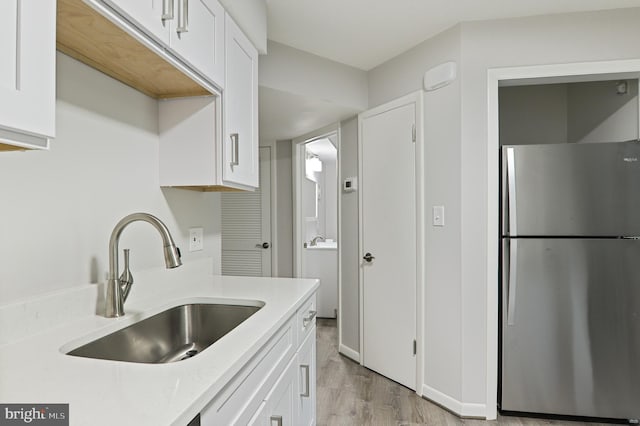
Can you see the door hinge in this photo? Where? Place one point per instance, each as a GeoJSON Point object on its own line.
{"type": "Point", "coordinates": [413, 133]}
{"type": "Point", "coordinates": [415, 347]}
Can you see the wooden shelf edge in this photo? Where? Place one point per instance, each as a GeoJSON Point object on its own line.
{"type": "Point", "coordinates": [84, 34]}
{"type": "Point", "coordinates": [208, 188]}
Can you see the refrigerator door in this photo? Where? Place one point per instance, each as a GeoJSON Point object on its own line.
{"type": "Point", "coordinates": [571, 189]}
{"type": "Point", "coordinates": [572, 344]}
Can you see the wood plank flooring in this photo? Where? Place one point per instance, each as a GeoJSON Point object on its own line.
{"type": "Point", "coordinates": [349, 394]}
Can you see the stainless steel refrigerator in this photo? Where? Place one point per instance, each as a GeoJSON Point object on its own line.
{"type": "Point", "coordinates": [570, 338]}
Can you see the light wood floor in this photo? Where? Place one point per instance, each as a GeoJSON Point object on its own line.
{"type": "Point", "coordinates": [349, 394]}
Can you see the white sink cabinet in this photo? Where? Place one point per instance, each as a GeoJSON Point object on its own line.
{"type": "Point", "coordinates": [278, 385]}
{"type": "Point", "coordinates": [27, 73]}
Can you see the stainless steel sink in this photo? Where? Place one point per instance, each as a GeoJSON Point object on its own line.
{"type": "Point", "coordinates": [172, 335]}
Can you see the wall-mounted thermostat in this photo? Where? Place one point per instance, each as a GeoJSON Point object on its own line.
{"type": "Point", "coordinates": [350, 184]}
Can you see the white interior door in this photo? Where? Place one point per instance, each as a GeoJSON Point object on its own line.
{"type": "Point", "coordinates": [246, 226]}
{"type": "Point", "coordinates": [388, 240]}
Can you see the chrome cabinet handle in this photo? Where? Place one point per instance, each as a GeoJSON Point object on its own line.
{"type": "Point", "coordinates": [167, 10]}
{"type": "Point", "coordinates": [513, 276]}
{"type": "Point", "coordinates": [511, 192]}
{"type": "Point", "coordinates": [183, 16]}
{"type": "Point", "coordinates": [235, 149]}
{"type": "Point", "coordinates": [307, 385]}
{"type": "Point", "coordinates": [306, 320]}
{"type": "Point", "coordinates": [277, 419]}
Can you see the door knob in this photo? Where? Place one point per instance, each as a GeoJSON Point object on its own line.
{"type": "Point", "coordinates": [368, 257]}
{"type": "Point", "coordinates": [264, 245]}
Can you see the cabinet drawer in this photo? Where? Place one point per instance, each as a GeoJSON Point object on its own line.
{"type": "Point", "coordinates": [306, 318]}
{"type": "Point", "coordinates": [240, 399]}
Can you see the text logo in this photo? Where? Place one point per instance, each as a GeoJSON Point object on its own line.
{"type": "Point", "coordinates": [34, 414]}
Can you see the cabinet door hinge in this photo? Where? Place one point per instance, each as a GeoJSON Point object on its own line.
{"type": "Point", "coordinates": [415, 347]}
{"type": "Point", "coordinates": [413, 133]}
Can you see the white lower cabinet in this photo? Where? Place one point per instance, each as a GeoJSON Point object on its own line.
{"type": "Point", "coordinates": [306, 399]}
{"type": "Point", "coordinates": [277, 387]}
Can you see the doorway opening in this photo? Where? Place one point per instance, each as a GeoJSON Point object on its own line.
{"type": "Point", "coordinates": [498, 80]}
{"type": "Point", "coordinates": [316, 242]}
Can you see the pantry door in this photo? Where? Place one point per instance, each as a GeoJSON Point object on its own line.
{"type": "Point", "coordinates": [388, 239]}
{"type": "Point", "coordinates": [246, 226]}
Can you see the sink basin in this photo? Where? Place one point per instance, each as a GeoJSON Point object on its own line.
{"type": "Point", "coordinates": [172, 335]}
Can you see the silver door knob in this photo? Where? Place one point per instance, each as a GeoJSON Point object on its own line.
{"type": "Point", "coordinates": [368, 257]}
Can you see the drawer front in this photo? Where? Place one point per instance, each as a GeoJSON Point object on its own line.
{"type": "Point", "coordinates": [306, 318]}
{"type": "Point", "coordinates": [240, 399]}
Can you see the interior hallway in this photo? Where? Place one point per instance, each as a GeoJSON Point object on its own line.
{"type": "Point", "coordinates": [349, 394]}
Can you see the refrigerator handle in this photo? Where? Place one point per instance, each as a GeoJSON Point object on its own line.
{"type": "Point", "coordinates": [511, 192]}
{"type": "Point", "coordinates": [513, 277]}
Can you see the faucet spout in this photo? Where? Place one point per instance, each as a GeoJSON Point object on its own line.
{"type": "Point", "coordinates": [115, 292]}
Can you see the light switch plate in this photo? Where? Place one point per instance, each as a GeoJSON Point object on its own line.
{"type": "Point", "coordinates": [196, 239]}
{"type": "Point", "coordinates": [438, 215]}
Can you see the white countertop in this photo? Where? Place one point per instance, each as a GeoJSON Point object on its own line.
{"type": "Point", "coordinates": [35, 369]}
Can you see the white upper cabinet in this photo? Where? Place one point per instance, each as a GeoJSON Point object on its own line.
{"type": "Point", "coordinates": [197, 36]}
{"type": "Point", "coordinates": [193, 30]}
{"type": "Point", "coordinates": [27, 73]}
{"type": "Point", "coordinates": [151, 16]}
{"type": "Point", "coordinates": [240, 100]}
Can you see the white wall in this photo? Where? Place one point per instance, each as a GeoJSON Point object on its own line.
{"type": "Point", "coordinates": [442, 153]}
{"type": "Point", "coordinates": [349, 252]}
{"type": "Point", "coordinates": [456, 159]}
{"type": "Point", "coordinates": [59, 206]}
{"type": "Point", "coordinates": [293, 71]}
{"type": "Point", "coordinates": [596, 113]}
{"type": "Point", "coordinates": [566, 38]}
{"type": "Point", "coordinates": [330, 198]}
{"type": "Point", "coordinates": [533, 114]}
{"type": "Point", "coordinates": [284, 212]}
{"type": "Point", "coordinates": [568, 112]}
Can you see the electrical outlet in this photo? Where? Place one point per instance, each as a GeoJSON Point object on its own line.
{"type": "Point", "coordinates": [196, 239]}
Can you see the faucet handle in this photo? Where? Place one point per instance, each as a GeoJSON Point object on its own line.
{"type": "Point", "coordinates": [126, 278]}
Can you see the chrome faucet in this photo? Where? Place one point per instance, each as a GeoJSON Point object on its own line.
{"type": "Point", "coordinates": [314, 241]}
{"type": "Point", "coordinates": [118, 288]}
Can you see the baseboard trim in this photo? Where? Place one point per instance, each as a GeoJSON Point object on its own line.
{"type": "Point", "coordinates": [349, 353]}
{"type": "Point", "coordinates": [466, 410]}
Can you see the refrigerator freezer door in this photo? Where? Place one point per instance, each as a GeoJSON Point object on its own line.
{"type": "Point", "coordinates": [573, 346]}
{"type": "Point", "coordinates": [571, 189]}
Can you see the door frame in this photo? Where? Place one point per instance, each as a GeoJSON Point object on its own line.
{"type": "Point", "coordinates": [417, 99]}
{"type": "Point", "coordinates": [273, 198]}
{"type": "Point", "coordinates": [297, 146]}
{"type": "Point", "coordinates": [497, 77]}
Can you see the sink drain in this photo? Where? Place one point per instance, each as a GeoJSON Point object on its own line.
{"type": "Point", "coordinates": [189, 354]}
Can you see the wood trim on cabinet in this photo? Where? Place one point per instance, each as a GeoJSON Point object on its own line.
{"type": "Point", "coordinates": [209, 188]}
{"type": "Point", "coordinates": [6, 147]}
{"type": "Point", "coordinates": [86, 35]}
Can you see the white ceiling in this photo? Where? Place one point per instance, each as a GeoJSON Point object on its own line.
{"type": "Point", "coordinates": [323, 148]}
{"type": "Point", "coordinates": [366, 33]}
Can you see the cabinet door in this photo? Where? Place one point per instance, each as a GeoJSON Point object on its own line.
{"type": "Point", "coordinates": [307, 381]}
{"type": "Point", "coordinates": [150, 16]}
{"type": "Point", "coordinates": [27, 71]}
{"type": "Point", "coordinates": [240, 103]}
{"type": "Point", "coordinates": [197, 36]}
{"type": "Point", "coordinates": [281, 409]}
